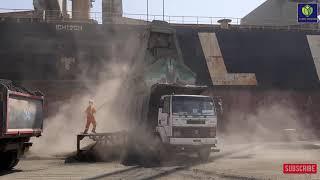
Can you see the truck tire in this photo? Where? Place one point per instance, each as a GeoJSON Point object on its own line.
{"type": "Point", "coordinates": [204, 154]}
{"type": "Point", "coordinates": [8, 160]}
{"type": "Point", "coordinates": [130, 155]}
{"type": "Point", "coordinates": [161, 151]}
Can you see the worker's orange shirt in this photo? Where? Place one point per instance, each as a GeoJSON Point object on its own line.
{"type": "Point", "coordinates": [90, 112]}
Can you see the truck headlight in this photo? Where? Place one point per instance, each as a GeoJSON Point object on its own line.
{"type": "Point", "coordinates": [176, 133]}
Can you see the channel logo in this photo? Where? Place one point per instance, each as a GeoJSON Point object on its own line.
{"type": "Point", "coordinates": [308, 13]}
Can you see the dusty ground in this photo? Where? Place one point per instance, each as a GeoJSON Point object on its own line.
{"type": "Point", "coordinates": [242, 161]}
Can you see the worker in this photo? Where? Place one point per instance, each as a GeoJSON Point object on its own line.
{"type": "Point", "coordinates": [90, 112]}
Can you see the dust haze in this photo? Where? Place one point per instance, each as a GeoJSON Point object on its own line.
{"type": "Point", "coordinates": [272, 122]}
{"type": "Point", "coordinates": [118, 106]}
{"type": "Point", "coordinates": [60, 130]}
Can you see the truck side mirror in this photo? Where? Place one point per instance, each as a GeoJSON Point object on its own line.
{"type": "Point", "coordinates": [165, 110]}
{"type": "Point", "coordinates": [220, 105]}
{"type": "Point", "coordinates": [161, 103]}
{"type": "Point", "coordinates": [164, 104]}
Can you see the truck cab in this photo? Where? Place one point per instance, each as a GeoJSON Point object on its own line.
{"type": "Point", "coordinates": [186, 120]}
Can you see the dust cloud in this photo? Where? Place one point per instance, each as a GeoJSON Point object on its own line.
{"type": "Point", "coordinates": [274, 122]}
{"type": "Point", "coordinates": [108, 93]}
{"type": "Point", "coordinates": [60, 130]}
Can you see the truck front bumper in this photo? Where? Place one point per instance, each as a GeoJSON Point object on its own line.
{"type": "Point", "coordinates": [191, 145]}
{"type": "Point", "coordinates": [193, 141]}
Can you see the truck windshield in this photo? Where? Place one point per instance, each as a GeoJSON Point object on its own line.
{"type": "Point", "coordinates": [187, 105]}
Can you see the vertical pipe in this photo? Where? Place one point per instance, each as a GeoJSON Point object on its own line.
{"type": "Point", "coordinates": [80, 9]}
{"type": "Point", "coordinates": [44, 15]}
{"type": "Point", "coordinates": [64, 8]}
{"type": "Point", "coordinates": [163, 9]}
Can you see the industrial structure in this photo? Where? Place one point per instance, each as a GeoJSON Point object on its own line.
{"type": "Point", "coordinates": [258, 62]}
{"type": "Point", "coordinates": [275, 13]}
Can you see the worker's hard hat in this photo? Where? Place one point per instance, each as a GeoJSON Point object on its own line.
{"type": "Point", "coordinates": [90, 101]}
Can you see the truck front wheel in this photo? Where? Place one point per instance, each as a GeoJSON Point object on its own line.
{"type": "Point", "coordinates": [204, 154]}
{"type": "Point", "coordinates": [8, 160]}
{"type": "Point", "coordinates": [161, 152]}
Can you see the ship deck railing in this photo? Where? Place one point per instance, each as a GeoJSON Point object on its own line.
{"type": "Point", "coordinates": [51, 16]}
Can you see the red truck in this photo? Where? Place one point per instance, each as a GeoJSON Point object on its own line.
{"type": "Point", "coordinates": [21, 117]}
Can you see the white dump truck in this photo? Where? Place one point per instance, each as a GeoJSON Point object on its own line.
{"type": "Point", "coordinates": [183, 120]}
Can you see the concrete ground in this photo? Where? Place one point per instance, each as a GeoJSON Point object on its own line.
{"type": "Point", "coordinates": [241, 161]}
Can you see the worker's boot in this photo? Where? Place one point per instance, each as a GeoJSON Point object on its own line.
{"type": "Point", "coordinates": [85, 131]}
{"type": "Point", "coordinates": [94, 127]}
{"type": "Point", "coordinates": [93, 130]}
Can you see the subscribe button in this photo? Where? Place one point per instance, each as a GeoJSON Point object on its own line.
{"type": "Point", "coordinates": [300, 168]}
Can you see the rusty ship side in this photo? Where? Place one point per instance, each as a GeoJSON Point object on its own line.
{"type": "Point", "coordinates": [246, 66]}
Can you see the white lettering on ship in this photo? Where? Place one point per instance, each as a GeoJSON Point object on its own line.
{"type": "Point", "coordinates": [64, 27]}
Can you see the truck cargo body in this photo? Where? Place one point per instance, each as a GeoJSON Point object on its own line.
{"type": "Point", "coordinates": [21, 117]}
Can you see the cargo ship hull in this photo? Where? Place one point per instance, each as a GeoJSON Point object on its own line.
{"type": "Point", "coordinates": [247, 67]}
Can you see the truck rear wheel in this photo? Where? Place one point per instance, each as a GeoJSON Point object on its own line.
{"type": "Point", "coordinates": [204, 154]}
{"type": "Point", "coordinates": [8, 160]}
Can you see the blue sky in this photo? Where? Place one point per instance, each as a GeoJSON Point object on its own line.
{"type": "Point", "coordinates": [210, 8]}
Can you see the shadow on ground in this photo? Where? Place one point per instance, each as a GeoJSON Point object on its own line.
{"type": "Point", "coordinates": [2, 173]}
{"type": "Point", "coordinates": [175, 164]}
{"type": "Point", "coordinates": [297, 146]}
